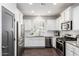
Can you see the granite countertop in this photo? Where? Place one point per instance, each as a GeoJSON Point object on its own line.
{"type": "Point", "coordinates": [39, 36]}
{"type": "Point", "coordinates": [34, 36]}
{"type": "Point", "coordinates": [73, 43]}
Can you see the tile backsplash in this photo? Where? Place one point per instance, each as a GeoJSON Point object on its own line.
{"type": "Point", "coordinates": [73, 33]}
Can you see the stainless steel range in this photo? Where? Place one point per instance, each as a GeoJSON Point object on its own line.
{"type": "Point", "coordinates": [60, 43]}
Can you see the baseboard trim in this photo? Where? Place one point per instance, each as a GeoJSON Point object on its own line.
{"type": "Point", "coordinates": [35, 47]}
{"type": "Point", "coordinates": [39, 47]}
{"type": "Point", "coordinates": [19, 53]}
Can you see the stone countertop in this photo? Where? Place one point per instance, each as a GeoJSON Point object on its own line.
{"type": "Point", "coordinates": [42, 36]}
{"type": "Point", "coordinates": [34, 36]}
{"type": "Point", "coordinates": [73, 43]}
{"type": "Point", "coordinates": [38, 36]}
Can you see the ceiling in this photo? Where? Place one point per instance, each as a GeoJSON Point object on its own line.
{"type": "Point", "coordinates": [43, 9]}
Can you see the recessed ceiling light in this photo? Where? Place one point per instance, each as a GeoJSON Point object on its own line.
{"type": "Point", "coordinates": [32, 11]}
{"type": "Point", "coordinates": [30, 3]}
{"type": "Point", "coordinates": [49, 11]}
{"type": "Point", "coordinates": [54, 3]}
{"type": "Point", "coordinates": [39, 15]}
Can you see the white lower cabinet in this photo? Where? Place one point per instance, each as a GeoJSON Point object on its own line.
{"type": "Point", "coordinates": [35, 42]}
{"type": "Point", "coordinates": [69, 53]}
{"type": "Point", "coordinates": [76, 50]}
{"type": "Point", "coordinates": [54, 42]}
{"type": "Point", "coordinates": [75, 54]}
{"type": "Point", "coordinates": [69, 47]}
{"type": "Point", "coordinates": [72, 50]}
{"type": "Point", "coordinates": [69, 50]}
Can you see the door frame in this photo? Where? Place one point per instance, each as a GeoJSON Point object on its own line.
{"type": "Point", "coordinates": [17, 30]}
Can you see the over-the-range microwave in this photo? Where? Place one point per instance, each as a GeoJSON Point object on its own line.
{"type": "Point", "coordinates": [66, 25]}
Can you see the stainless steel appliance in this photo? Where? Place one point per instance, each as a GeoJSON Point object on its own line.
{"type": "Point", "coordinates": [60, 43]}
{"type": "Point", "coordinates": [66, 25]}
{"type": "Point", "coordinates": [48, 42]}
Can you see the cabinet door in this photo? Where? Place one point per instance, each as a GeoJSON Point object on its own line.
{"type": "Point", "coordinates": [76, 54]}
{"type": "Point", "coordinates": [35, 42]}
{"type": "Point", "coordinates": [76, 18]}
{"type": "Point", "coordinates": [76, 50]}
{"type": "Point", "coordinates": [58, 22]}
{"type": "Point", "coordinates": [54, 42]}
{"type": "Point", "coordinates": [68, 14]}
{"type": "Point", "coordinates": [63, 17]}
{"type": "Point", "coordinates": [69, 49]}
{"type": "Point", "coordinates": [69, 53]}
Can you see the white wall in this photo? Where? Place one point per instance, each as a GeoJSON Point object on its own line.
{"type": "Point", "coordinates": [51, 24]}
{"type": "Point", "coordinates": [18, 17]}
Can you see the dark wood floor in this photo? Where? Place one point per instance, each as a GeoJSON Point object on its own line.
{"type": "Point", "coordinates": [40, 52]}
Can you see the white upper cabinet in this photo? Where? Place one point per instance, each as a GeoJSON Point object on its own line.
{"type": "Point", "coordinates": [76, 18]}
{"type": "Point", "coordinates": [62, 17]}
{"type": "Point", "coordinates": [51, 25]}
{"type": "Point", "coordinates": [58, 23]}
{"type": "Point", "coordinates": [68, 14]}
{"type": "Point", "coordinates": [65, 16]}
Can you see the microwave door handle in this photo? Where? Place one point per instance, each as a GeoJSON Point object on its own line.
{"type": "Point", "coordinates": [67, 26]}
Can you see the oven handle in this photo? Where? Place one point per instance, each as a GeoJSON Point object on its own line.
{"type": "Point", "coordinates": [60, 42]}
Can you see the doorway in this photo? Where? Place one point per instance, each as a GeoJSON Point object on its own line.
{"type": "Point", "coordinates": [8, 32]}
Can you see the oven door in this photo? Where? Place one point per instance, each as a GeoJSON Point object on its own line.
{"type": "Point", "coordinates": [60, 47]}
